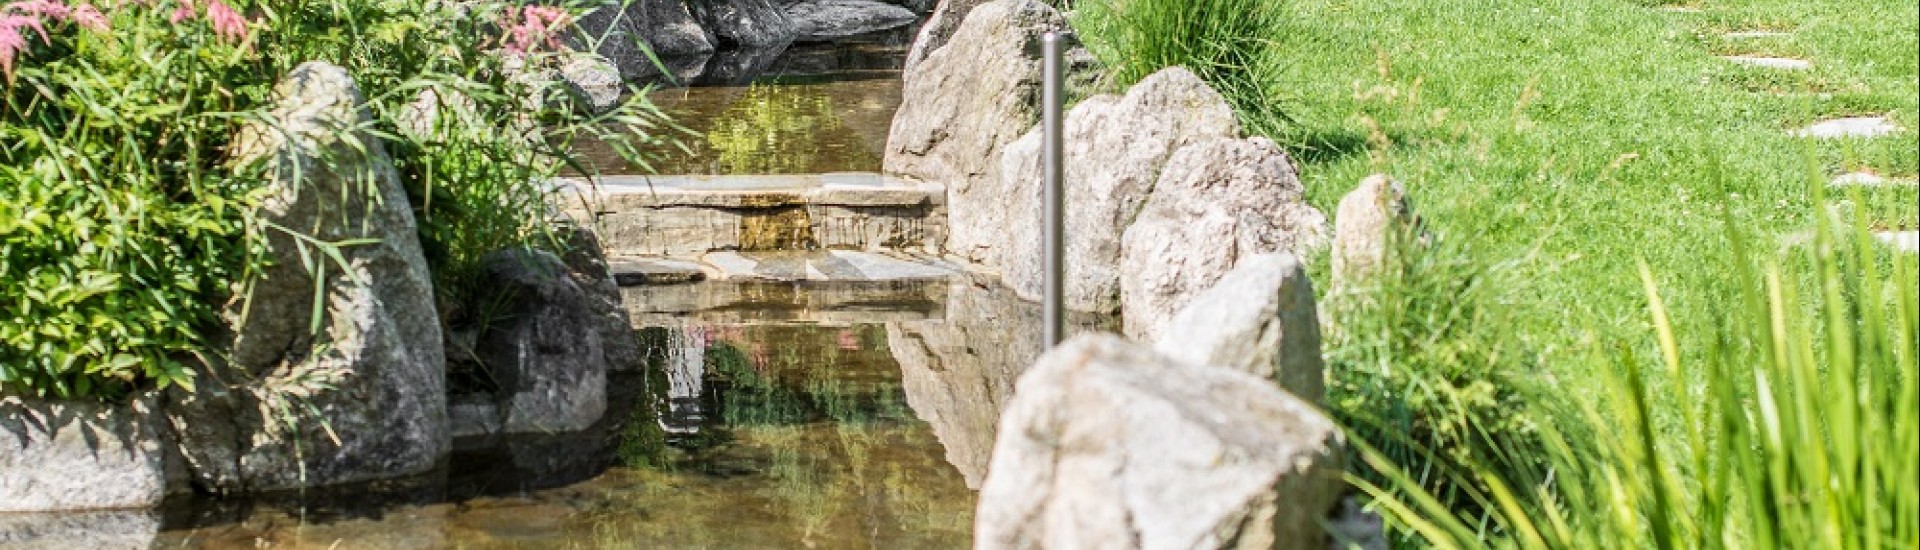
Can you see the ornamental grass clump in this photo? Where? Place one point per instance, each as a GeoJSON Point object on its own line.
{"type": "Point", "coordinates": [1231, 44]}
{"type": "Point", "coordinates": [1798, 427]}
{"type": "Point", "coordinates": [126, 223]}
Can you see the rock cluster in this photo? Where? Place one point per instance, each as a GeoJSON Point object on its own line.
{"type": "Point", "coordinates": [343, 386]}
{"type": "Point", "coordinates": [712, 39]}
{"type": "Point", "coordinates": [1165, 195]}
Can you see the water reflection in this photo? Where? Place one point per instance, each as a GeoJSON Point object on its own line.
{"type": "Point", "coordinates": [806, 110]}
{"type": "Point", "coordinates": [740, 433]}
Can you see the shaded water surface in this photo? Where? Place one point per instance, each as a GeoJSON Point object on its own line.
{"type": "Point", "coordinates": [818, 108]}
{"type": "Point", "coordinates": [741, 436]}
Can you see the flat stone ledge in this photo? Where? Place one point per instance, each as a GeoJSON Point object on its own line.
{"type": "Point", "coordinates": [1850, 127]}
{"type": "Point", "coordinates": [1782, 63]}
{"type": "Point", "coordinates": [629, 271]}
{"type": "Point", "coordinates": [825, 266]}
{"type": "Point", "coordinates": [856, 189]}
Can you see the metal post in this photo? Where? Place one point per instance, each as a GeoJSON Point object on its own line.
{"type": "Point", "coordinates": [1053, 101]}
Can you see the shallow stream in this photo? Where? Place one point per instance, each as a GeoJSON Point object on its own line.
{"type": "Point", "coordinates": [796, 416]}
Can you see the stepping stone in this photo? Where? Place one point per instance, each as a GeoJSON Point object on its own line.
{"type": "Point", "coordinates": [1782, 63]}
{"type": "Point", "coordinates": [1866, 179]}
{"type": "Point", "coordinates": [830, 265]}
{"type": "Point", "coordinates": [654, 271]}
{"type": "Point", "coordinates": [1904, 241]}
{"type": "Point", "coordinates": [1749, 35]}
{"type": "Point", "coordinates": [1851, 127]}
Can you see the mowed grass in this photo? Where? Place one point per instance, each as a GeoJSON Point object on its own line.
{"type": "Point", "coordinates": [1576, 137]}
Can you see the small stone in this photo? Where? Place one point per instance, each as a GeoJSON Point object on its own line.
{"type": "Point", "coordinates": [655, 271]}
{"type": "Point", "coordinates": [1903, 241]}
{"type": "Point", "coordinates": [1858, 178]}
{"type": "Point", "coordinates": [1782, 63]}
{"type": "Point", "coordinates": [1850, 127]}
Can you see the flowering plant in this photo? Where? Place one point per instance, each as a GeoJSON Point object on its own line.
{"type": "Point", "coordinates": [124, 223]}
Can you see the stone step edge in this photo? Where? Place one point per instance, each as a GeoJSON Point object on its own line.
{"type": "Point", "coordinates": [615, 196]}
{"type": "Point", "coordinates": [630, 271]}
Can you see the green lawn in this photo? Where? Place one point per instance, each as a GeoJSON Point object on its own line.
{"type": "Point", "coordinates": [1576, 135]}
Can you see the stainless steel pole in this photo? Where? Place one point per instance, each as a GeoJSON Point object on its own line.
{"type": "Point", "coordinates": [1053, 101]}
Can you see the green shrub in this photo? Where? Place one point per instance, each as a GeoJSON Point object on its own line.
{"type": "Point", "coordinates": [1228, 43]}
{"type": "Point", "coordinates": [123, 220]}
{"type": "Point", "coordinates": [1423, 367]}
{"type": "Point", "coordinates": [1799, 427]}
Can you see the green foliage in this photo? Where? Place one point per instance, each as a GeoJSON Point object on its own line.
{"type": "Point", "coordinates": [1228, 43]}
{"type": "Point", "coordinates": [124, 219]}
{"type": "Point", "coordinates": [1424, 368]}
{"type": "Point", "coordinates": [1799, 428]}
{"type": "Point", "coordinates": [119, 228]}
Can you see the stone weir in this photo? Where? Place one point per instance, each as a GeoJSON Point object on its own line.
{"type": "Point", "coordinates": [689, 217]}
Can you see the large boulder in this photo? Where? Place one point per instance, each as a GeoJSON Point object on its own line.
{"type": "Point", "coordinates": [356, 390]}
{"type": "Point", "coordinates": [545, 349]}
{"type": "Point", "coordinates": [59, 455]}
{"type": "Point", "coordinates": [939, 29]}
{"type": "Point", "coordinates": [750, 24]}
{"type": "Point", "coordinates": [1216, 204]}
{"type": "Point", "coordinates": [1258, 319]}
{"type": "Point", "coordinates": [967, 101]}
{"type": "Point", "coordinates": [1109, 445]}
{"type": "Point", "coordinates": [1116, 148]}
{"type": "Point", "coordinates": [633, 34]}
{"type": "Point", "coordinates": [818, 20]}
{"type": "Point", "coordinates": [587, 265]}
{"type": "Point", "coordinates": [1367, 220]}
{"type": "Point", "coordinates": [958, 372]}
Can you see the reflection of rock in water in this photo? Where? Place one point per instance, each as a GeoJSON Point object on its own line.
{"type": "Point", "coordinates": [959, 372]}
{"type": "Point", "coordinates": [686, 368]}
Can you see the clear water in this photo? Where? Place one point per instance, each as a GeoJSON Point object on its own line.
{"type": "Point", "coordinates": [819, 109]}
{"type": "Point", "coordinates": [741, 433]}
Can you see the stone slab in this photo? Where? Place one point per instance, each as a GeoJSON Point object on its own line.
{"type": "Point", "coordinates": [1782, 63]}
{"type": "Point", "coordinates": [1867, 179]}
{"type": "Point", "coordinates": [1850, 127]}
{"type": "Point", "coordinates": [832, 303]}
{"type": "Point", "coordinates": [655, 271]}
{"type": "Point", "coordinates": [828, 265]}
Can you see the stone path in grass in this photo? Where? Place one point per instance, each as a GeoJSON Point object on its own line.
{"type": "Point", "coordinates": [1782, 63]}
{"type": "Point", "coordinates": [1852, 127]}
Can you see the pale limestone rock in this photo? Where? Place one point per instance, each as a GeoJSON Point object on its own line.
{"type": "Point", "coordinates": [1259, 319]}
{"type": "Point", "coordinates": [1216, 204]}
{"type": "Point", "coordinates": [1116, 149]}
{"type": "Point", "coordinates": [1109, 445]}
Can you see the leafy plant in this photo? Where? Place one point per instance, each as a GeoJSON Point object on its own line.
{"type": "Point", "coordinates": [124, 218]}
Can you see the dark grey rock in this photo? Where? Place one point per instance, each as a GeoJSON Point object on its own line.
{"type": "Point", "coordinates": [745, 24]}
{"type": "Point", "coordinates": [546, 350]}
{"type": "Point", "coordinates": [817, 20]}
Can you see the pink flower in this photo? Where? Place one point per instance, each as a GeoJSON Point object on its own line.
{"type": "Point", "coordinates": [227, 23]}
{"type": "Point", "coordinates": [49, 9]}
{"type": "Point", "coordinates": [87, 17]}
{"type": "Point", "coordinates": [13, 41]}
{"type": "Point", "coordinates": [536, 25]}
{"type": "Point", "coordinates": [183, 13]}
